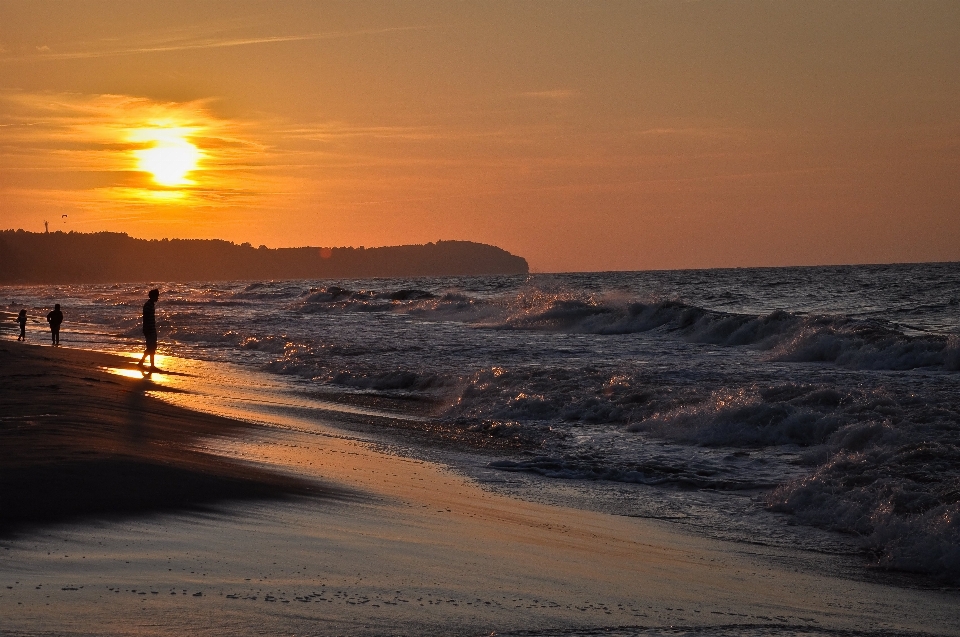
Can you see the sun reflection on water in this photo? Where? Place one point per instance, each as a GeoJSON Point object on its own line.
{"type": "Point", "coordinates": [128, 372]}
{"type": "Point", "coordinates": [160, 372]}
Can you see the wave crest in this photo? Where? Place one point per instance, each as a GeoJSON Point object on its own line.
{"type": "Point", "coordinates": [789, 337]}
{"type": "Point", "coordinates": [898, 492]}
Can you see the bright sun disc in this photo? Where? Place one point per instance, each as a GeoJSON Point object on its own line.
{"type": "Point", "coordinates": [170, 158]}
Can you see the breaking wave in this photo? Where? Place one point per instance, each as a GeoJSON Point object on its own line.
{"type": "Point", "coordinates": [894, 485]}
{"type": "Point", "coordinates": [789, 337]}
{"type": "Point", "coordinates": [845, 341]}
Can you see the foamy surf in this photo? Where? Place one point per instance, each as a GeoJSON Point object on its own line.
{"type": "Point", "coordinates": [826, 395]}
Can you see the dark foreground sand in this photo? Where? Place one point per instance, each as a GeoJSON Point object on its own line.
{"type": "Point", "coordinates": [80, 442]}
{"type": "Point", "coordinates": [123, 515]}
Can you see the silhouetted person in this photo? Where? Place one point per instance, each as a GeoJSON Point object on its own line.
{"type": "Point", "coordinates": [22, 320]}
{"type": "Point", "coordinates": [55, 318]}
{"type": "Point", "coordinates": [150, 328]}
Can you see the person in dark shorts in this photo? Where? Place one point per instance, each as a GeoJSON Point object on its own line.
{"type": "Point", "coordinates": [150, 328]}
{"type": "Point", "coordinates": [22, 320]}
{"type": "Point", "coordinates": [55, 318]}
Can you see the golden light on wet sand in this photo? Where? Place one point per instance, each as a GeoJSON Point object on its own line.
{"type": "Point", "coordinates": [169, 158]}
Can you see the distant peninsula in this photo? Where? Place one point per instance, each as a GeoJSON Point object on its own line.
{"type": "Point", "coordinates": [110, 257]}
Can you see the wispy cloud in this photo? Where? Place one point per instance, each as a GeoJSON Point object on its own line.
{"type": "Point", "coordinates": [555, 94]}
{"type": "Point", "coordinates": [342, 131]}
{"type": "Point", "coordinates": [63, 52]}
{"type": "Point", "coordinates": [707, 131]}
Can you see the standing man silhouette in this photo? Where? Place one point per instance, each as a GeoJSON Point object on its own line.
{"type": "Point", "coordinates": [55, 318]}
{"type": "Point", "coordinates": [150, 328]}
{"type": "Point", "coordinates": [22, 320]}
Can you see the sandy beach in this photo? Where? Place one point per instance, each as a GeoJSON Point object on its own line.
{"type": "Point", "coordinates": [123, 514]}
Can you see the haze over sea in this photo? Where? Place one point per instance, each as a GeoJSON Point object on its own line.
{"type": "Point", "coordinates": [815, 407]}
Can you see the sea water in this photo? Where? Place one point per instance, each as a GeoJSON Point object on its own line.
{"type": "Point", "coordinates": [816, 407]}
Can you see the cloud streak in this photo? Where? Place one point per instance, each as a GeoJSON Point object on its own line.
{"type": "Point", "coordinates": [45, 52]}
{"type": "Point", "coordinates": [556, 94]}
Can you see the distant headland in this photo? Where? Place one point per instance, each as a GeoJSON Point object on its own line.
{"type": "Point", "coordinates": [109, 257]}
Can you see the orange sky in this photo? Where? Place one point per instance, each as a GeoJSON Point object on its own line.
{"type": "Point", "coordinates": [581, 135]}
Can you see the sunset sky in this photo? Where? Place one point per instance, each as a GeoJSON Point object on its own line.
{"type": "Point", "coordinates": [581, 135]}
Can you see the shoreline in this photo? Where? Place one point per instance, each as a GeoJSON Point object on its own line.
{"type": "Point", "coordinates": [374, 526]}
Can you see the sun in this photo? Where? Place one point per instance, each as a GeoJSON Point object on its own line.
{"type": "Point", "coordinates": [170, 158]}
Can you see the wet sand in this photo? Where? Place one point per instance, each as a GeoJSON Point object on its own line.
{"type": "Point", "coordinates": [284, 531]}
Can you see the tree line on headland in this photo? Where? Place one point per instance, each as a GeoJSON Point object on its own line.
{"type": "Point", "coordinates": [109, 257]}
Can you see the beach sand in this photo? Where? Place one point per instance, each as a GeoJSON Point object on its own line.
{"type": "Point", "coordinates": [124, 515]}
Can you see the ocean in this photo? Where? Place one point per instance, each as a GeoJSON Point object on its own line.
{"type": "Point", "coordinates": [809, 408]}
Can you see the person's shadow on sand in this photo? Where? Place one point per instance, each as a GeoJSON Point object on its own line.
{"type": "Point", "coordinates": [135, 404]}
